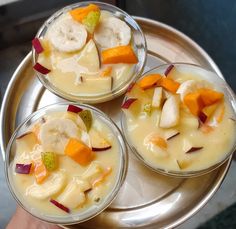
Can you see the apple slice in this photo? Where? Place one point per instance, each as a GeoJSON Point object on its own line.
{"type": "Point", "coordinates": [157, 97]}
{"type": "Point", "coordinates": [170, 114]}
{"type": "Point", "coordinates": [128, 103]}
{"type": "Point", "coordinates": [89, 57]}
{"type": "Point", "coordinates": [171, 133]}
{"type": "Point", "coordinates": [98, 142]}
{"type": "Point", "coordinates": [102, 84]}
{"type": "Point", "coordinates": [26, 142]}
{"type": "Point", "coordinates": [168, 70]}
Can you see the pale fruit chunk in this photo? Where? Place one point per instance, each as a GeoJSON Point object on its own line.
{"type": "Point", "coordinates": [170, 114]}
{"type": "Point", "coordinates": [190, 86]}
{"type": "Point", "coordinates": [157, 97]}
{"type": "Point", "coordinates": [89, 57]}
{"type": "Point", "coordinates": [171, 133]}
{"type": "Point", "coordinates": [93, 172]}
{"type": "Point", "coordinates": [26, 142]}
{"type": "Point", "coordinates": [73, 195]}
{"type": "Point", "coordinates": [76, 118]}
{"type": "Point", "coordinates": [96, 194]}
{"type": "Point", "coordinates": [189, 121]}
{"type": "Point", "coordinates": [102, 84]}
{"type": "Point", "coordinates": [98, 142]}
{"type": "Point", "coordinates": [51, 186]}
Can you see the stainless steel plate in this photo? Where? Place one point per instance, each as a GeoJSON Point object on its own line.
{"type": "Point", "coordinates": [146, 200]}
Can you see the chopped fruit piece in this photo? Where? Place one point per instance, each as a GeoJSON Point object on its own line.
{"type": "Point", "coordinates": [232, 119]}
{"type": "Point", "coordinates": [79, 152]}
{"type": "Point", "coordinates": [189, 121]}
{"type": "Point", "coordinates": [209, 110]}
{"type": "Point", "coordinates": [23, 168]}
{"type": "Point", "coordinates": [119, 54]}
{"type": "Point", "coordinates": [173, 136]}
{"type": "Point", "coordinates": [89, 57]}
{"type": "Point", "coordinates": [168, 70]}
{"type": "Point", "coordinates": [221, 114]}
{"type": "Point", "coordinates": [87, 117]}
{"type": "Point", "coordinates": [91, 21]}
{"type": "Point", "coordinates": [155, 139]}
{"type": "Point", "coordinates": [206, 128]}
{"type": "Point", "coordinates": [26, 142]}
{"type": "Point", "coordinates": [98, 142]}
{"type": "Point", "coordinates": [93, 172]}
{"type": "Point", "coordinates": [37, 45]}
{"type": "Point", "coordinates": [46, 47]}
{"type": "Point", "coordinates": [74, 109]}
{"type": "Point", "coordinates": [62, 207]}
{"type": "Point", "coordinates": [202, 117]}
{"type": "Point", "coordinates": [102, 178]}
{"type": "Point", "coordinates": [73, 195]}
{"type": "Point", "coordinates": [128, 103]}
{"type": "Point", "coordinates": [194, 102]}
{"type": "Point", "coordinates": [183, 164]}
{"type": "Point", "coordinates": [49, 160]}
{"type": "Point", "coordinates": [194, 149]}
{"type": "Point", "coordinates": [147, 108]}
{"type": "Point", "coordinates": [41, 69]}
{"type": "Point", "coordinates": [40, 171]}
{"type": "Point", "coordinates": [157, 97]}
{"type": "Point", "coordinates": [106, 72]}
{"type": "Point", "coordinates": [79, 14]}
{"type": "Point", "coordinates": [76, 118]}
{"type": "Point", "coordinates": [168, 84]}
{"type": "Point", "coordinates": [209, 96]}
{"type": "Point", "coordinates": [149, 81]}
{"type": "Point", "coordinates": [170, 114]}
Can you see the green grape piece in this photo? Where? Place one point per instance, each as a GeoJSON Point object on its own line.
{"type": "Point", "coordinates": [147, 108]}
{"type": "Point", "coordinates": [87, 118]}
{"type": "Point", "coordinates": [91, 21]}
{"type": "Point", "coordinates": [49, 160]}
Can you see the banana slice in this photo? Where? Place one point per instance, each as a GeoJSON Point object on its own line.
{"type": "Point", "coordinates": [73, 195]}
{"type": "Point", "coordinates": [51, 186]}
{"type": "Point", "coordinates": [55, 133]}
{"type": "Point", "coordinates": [112, 32]}
{"type": "Point", "coordinates": [67, 35]}
{"type": "Point", "coordinates": [190, 86]}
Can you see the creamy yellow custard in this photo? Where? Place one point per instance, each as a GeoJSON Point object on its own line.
{"type": "Point", "coordinates": [164, 129]}
{"type": "Point", "coordinates": [75, 182]}
{"type": "Point", "coordinates": [73, 55]}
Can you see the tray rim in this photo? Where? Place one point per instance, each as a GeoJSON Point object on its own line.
{"type": "Point", "coordinates": [220, 178]}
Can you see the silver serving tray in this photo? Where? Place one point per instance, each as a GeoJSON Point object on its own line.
{"type": "Point", "coordinates": [147, 199]}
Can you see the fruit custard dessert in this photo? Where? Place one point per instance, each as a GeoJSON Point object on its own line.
{"type": "Point", "coordinates": [66, 162]}
{"type": "Point", "coordinates": [178, 121]}
{"type": "Point", "coordinates": [86, 51]}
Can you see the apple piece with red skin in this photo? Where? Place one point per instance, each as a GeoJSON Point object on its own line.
{"type": "Point", "coordinates": [98, 142]}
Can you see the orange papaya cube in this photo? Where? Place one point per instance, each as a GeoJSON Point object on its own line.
{"type": "Point", "coordinates": [194, 103]}
{"type": "Point", "coordinates": [149, 81]}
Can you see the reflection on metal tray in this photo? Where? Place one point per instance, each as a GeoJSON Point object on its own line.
{"type": "Point", "coordinates": [146, 200]}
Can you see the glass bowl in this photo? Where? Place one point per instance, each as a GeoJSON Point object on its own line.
{"type": "Point", "coordinates": [139, 44]}
{"type": "Point", "coordinates": [219, 84]}
{"type": "Point", "coordinates": [93, 210]}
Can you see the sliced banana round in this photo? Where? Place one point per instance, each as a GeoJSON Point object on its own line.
{"type": "Point", "coordinates": [112, 32]}
{"type": "Point", "coordinates": [190, 86]}
{"type": "Point", "coordinates": [54, 183]}
{"type": "Point", "coordinates": [67, 35]}
{"type": "Point", "coordinates": [55, 133]}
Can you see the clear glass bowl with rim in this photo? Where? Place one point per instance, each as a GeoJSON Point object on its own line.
{"type": "Point", "coordinates": [207, 75]}
{"type": "Point", "coordinates": [94, 209]}
{"type": "Point", "coordinates": [139, 45]}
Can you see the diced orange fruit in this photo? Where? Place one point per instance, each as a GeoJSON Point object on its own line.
{"type": "Point", "coordinates": [79, 14]}
{"type": "Point", "coordinates": [149, 81]}
{"type": "Point", "coordinates": [40, 171]}
{"type": "Point", "coordinates": [79, 152]}
{"type": "Point", "coordinates": [194, 102]}
{"type": "Point", "coordinates": [209, 110]}
{"type": "Point", "coordinates": [209, 96]}
{"type": "Point", "coordinates": [119, 54]}
{"type": "Point", "coordinates": [168, 84]}
{"type": "Point", "coordinates": [106, 72]}
{"type": "Point", "coordinates": [102, 177]}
